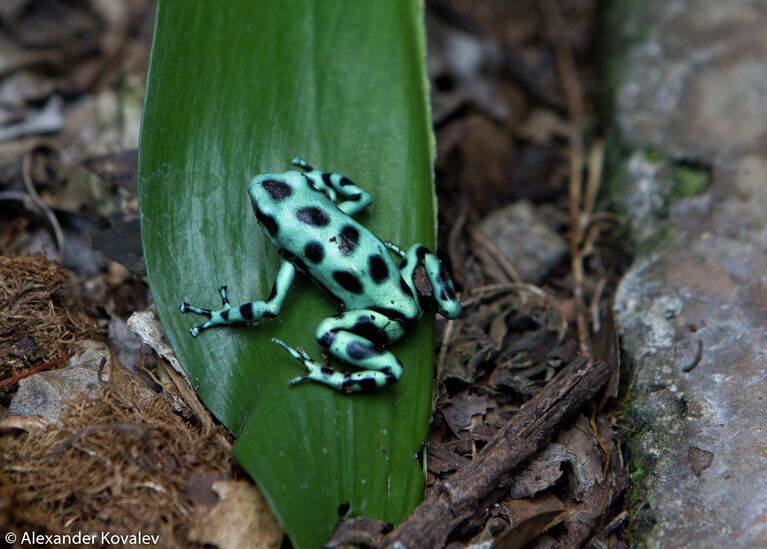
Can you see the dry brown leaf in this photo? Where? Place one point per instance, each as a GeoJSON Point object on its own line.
{"type": "Point", "coordinates": [240, 520]}
{"type": "Point", "coordinates": [529, 519]}
{"type": "Point", "coordinates": [463, 407]}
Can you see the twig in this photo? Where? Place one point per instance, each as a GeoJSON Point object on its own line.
{"type": "Point", "coordinates": [120, 427]}
{"type": "Point", "coordinates": [447, 339]}
{"type": "Point", "coordinates": [7, 382]}
{"type": "Point", "coordinates": [596, 156]}
{"type": "Point", "coordinates": [596, 298]}
{"type": "Point", "coordinates": [34, 203]}
{"type": "Point", "coordinates": [509, 271]}
{"type": "Point", "coordinates": [697, 359]}
{"type": "Point", "coordinates": [454, 237]}
{"type": "Point", "coordinates": [581, 207]}
{"type": "Point", "coordinates": [467, 491]}
{"type": "Point", "coordinates": [29, 184]}
{"type": "Point", "coordinates": [479, 293]}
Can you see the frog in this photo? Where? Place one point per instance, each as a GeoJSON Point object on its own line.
{"type": "Point", "coordinates": [307, 215]}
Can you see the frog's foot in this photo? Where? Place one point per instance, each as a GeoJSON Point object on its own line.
{"type": "Point", "coordinates": [250, 311]}
{"type": "Point", "coordinates": [316, 371]}
{"type": "Point", "coordinates": [224, 298]}
{"type": "Point", "coordinates": [443, 295]}
{"type": "Point", "coordinates": [345, 383]}
{"type": "Point", "coordinates": [334, 184]}
{"type": "Point", "coordinates": [216, 317]}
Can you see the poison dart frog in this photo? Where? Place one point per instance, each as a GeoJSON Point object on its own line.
{"type": "Point", "coordinates": [307, 216]}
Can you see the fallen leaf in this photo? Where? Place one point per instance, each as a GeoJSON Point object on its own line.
{"type": "Point", "coordinates": [463, 407]}
{"type": "Point", "coordinates": [529, 519]}
{"type": "Point", "coordinates": [358, 532]}
{"type": "Point", "coordinates": [240, 520]}
{"type": "Point", "coordinates": [118, 168]}
{"type": "Point", "coordinates": [540, 473]}
{"type": "Point", "coordinates": [146, 325]}
{"type": "Point", "coordinates": [441, 460]}
{"type": "Point", "coordinates": [121, 241]}
{"type": "Point", "coordinates": [47, 120]}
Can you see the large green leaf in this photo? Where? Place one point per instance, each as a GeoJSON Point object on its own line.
{"type": "Point", "coordinates": [239, 87]}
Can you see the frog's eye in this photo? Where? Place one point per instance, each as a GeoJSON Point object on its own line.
{"type": "Point", "coordinates": [278, 190]}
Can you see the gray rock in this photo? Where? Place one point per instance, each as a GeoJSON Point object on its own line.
{"type": "Point", "coordinates": [695, 83]}
{"type": "Point", "coordinates": [692, 310]}
{"type": "Point", "coordinates": [521, 234]}
{"type": "Point", "coordinates": [46, 394]}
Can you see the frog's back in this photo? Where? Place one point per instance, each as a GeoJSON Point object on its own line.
{"type": "Point", "coordinates": [341, 254]}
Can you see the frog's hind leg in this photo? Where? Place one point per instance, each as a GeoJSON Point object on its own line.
{"type": "Point", "coordinates": [331, 183]}
{"type": "Point", "coordinates": [352, 337]}
{"type": "Point", "coordinates": [443, 295]}
{"type": "Point", "coordinates": [247, 312]}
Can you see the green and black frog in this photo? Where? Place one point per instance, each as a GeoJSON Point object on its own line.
{"type": "Point", "coordinates": [307, 216]}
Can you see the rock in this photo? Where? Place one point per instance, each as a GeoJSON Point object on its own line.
{"type": "Point", "coordinates": [695, 89]}
{"type": "Point", "coordinates": [521, 234]}
{"type": "Point", "coordinates": [46, 394]}
{"type": "Point", "coordinates": [695, 83]}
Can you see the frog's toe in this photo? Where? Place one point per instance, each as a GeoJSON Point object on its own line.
{"type": "Point", "coordinates": [222, 293]}
{"type": "Point", "coordinates": [299, 162]}
{"type": "Point", "coordinates": [187, 308]}
{"type": "Point", "coordinates": [299, 379]}
{"type": "Point", "coordinates": [282, 344]}
{"type": "Point", "coordinates": [194, 331]}
{"type": "Point", "coordinates": [298, 354]}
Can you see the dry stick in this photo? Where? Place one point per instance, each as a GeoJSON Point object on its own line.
{"type": "Point", "coordinates": [453, 238]}
{"type": "Point", "coordinates": [7, 382]}
{"type": "Point", "coordinates": [58, 233]}
{"type": "Point", "coordinates": [527, 432]}
{"type": "Point", "coordinates": [574, 97]}
{"type": "Point", "coordinates": [495, 254]}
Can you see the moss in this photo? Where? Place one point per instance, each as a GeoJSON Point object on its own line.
{"type": "Point", "coordinates": [642, 517]}
{"type": "Point", "coordinates": [689, 180]}
{"type": "Point", "coordinates": [661, 233]}
{"type": "Point", "coordinates": [637, 474]}
{"type": "Point", "coordinates": [614, 169]}
{"type": "Point", "coordinates": [655, 155]}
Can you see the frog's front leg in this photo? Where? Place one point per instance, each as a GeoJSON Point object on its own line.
{"type": "Point", "coordinates": [354, 337]}
{"type": "Point", "coordinates": [443, 294]}
{"type": "Point", "coordinates": [357, 199]}
{"type": "Point", "coordinates": [247, 312]}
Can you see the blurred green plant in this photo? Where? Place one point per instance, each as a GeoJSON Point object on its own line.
{"type": "Point", "coordinates": [237, 88]}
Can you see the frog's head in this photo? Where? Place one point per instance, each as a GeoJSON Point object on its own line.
{"type": "Point", "coordinates": [270, 191]}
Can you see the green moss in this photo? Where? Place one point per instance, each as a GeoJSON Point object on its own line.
{"type": "Point", "coordinates": [655, 155]}
{"type": "Point", "coordinates": [614, 163]}
{"type": "Point", "coordinates": [689, 180]}
{"type": "Point", "coordinates": [661, 233]}
{"type": "Point", "coordinates": [637, 474]}
{"type": "Point", "coordinates": [642, 517]}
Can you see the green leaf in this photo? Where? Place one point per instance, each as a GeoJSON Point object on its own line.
{"type": "Point", "coordinates": [237, 88]}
